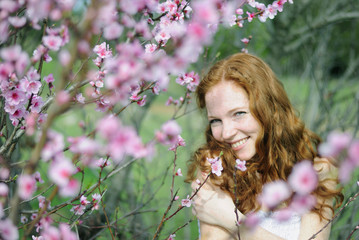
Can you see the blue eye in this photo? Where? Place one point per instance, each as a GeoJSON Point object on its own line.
{"type": "Point", "coordinates": [239, 113]}
{"type": "Point", "coordinates": [213, 121]}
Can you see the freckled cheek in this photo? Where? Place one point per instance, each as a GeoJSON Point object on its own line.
{"type": "Point", "coordinates": [216, 132]}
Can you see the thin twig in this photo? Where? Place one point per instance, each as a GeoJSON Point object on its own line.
{"type": "Point", "coordinates": [336, 215]}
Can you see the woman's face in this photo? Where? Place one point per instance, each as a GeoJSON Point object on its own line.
{"type": "Point", "coordinates": [230, 118]}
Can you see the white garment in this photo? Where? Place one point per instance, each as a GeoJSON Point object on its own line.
{"type": "Point", "coordinates": [288, 229]}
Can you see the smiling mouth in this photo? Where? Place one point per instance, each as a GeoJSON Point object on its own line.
{"type": "Point", "coordinates": [240, 142]}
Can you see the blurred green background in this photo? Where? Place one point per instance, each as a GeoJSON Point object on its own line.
{"type": "Point", "coordinates": [313, 48]}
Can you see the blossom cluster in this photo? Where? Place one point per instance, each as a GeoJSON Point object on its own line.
{"type": "Point", "coordinates": [262, 11]}
{"type": "Point", "coordinates": [301, 183]}
{"type": "Point", "coordinates": [342, 147]}
{"type": "Point", "coordinates": [170, 135]}
{"type": "Point", "coordinates": [216, 165]}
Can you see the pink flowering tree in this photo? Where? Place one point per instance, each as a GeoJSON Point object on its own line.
{"type": "Point", "coordinates": [105, 63]}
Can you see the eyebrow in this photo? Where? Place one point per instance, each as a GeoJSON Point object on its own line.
{"type": "Point", "coordinates": [230, 111]}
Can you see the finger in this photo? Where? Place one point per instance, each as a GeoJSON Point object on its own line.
{"type": "Point", "coordinates": [204, 175]}
{"type": "Point", "coordinates": [194, 185]}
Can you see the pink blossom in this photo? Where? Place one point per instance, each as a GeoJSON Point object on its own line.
{"type": "Point", "coordinates": [179, 172]}
{"type": "Point", "coordinates": [4, 31]}
{"type": "Point", "coordinates": [8, 230]}
{"type": "Point", "coordinates": [54, 145]}
{"type": "Point", "coordinates": [205, 12]}
{"type": "Point", "coordinates": [26, 185]}
{"type": "Point", "coordinates": [19, 113]}
{"type": "Point", "coordinates": [142, 101]}
{"type": "Point", "coordinates": [186, 202]}
{"type": "Point", "coordinates": [5, 70]}
{"type": "Point", "coordinates": [96, 197]}
{"type": "Point", "coordinates": [11, 108]}
{"type": "Point", "coordinates": [125, 142]}
{"type": "Point", "coordinates": [345, 171]}
{"type": "Point", "coordinates": [23, 219]}
{"type": "Point", "coordinates": [170, 130]}
{"type": "Point", "coordinates": [37, 238]}
{"type": "Point", "coordinates": [150, 48]}
{"type": "Point", "coordinates": [190, 79]}
{"type": "Point", "coordinates": [271, 11]}
{"type": "Point", "coordinates": [162, 37]}
{"type": "Point", "coordinates": [4, 190]}
{"type": "Point", "coordinates": [274, 193]}
{"type": "Point", "coordinates": [4, 173]}
{"type": "Point", "coordinates": [283, 214]}
{"type": "Point", "coordinates": [33, 86]}
{"type": "Point", "coordinates": [80, 98]}
{"type": "Point", "coordinates": [198, 32]}
{"type": "Point", "coordinates": [250, 16]}
{"type": "Point", "coordinates": [84, 201]}
{"type": "Point", "coordinates": [64, 57]}
{"type": "Point", "coordinates": [353, 153]}
{"type": "Point", "coordinates": [78, 209]}
{"type": "Point", "coordinates": [169, 101]}
{"type": "Point", "coordinates": [107, 125]}
{"type": "Point", "coordinates": [217, 167]}
{"type": "Point", "coordinates": [61, 171]}
{"type": "Point", "coordinates": [84, 145]}
{"type": "Point", "coordinates": [71, 189]}
{"type": "Point", "coordinates": [212, 160]}
{"type": "Point", "coordinates": [112, 31]}
{"type": "Point", "coordinates": [279, 5]}
{"type": "Point", "coordinates": [303, 203]}
{"type": "Point", "coordinates": [51, 233]}
{"type": "Point", "coordinates": [17, 22]}
{"type": "Point", "coordinates": [49, 78]}
{"type": "Point", "coordinates": [15, 97]}
{"type": "Point", "coordinates": [62, 97]}
{"type": "Point", "coordinates": [55, 14]}
{"type": "Point", "coordinates": [252, 220]}
{"type": "Point", "coordinates": [336, 142]}
{"type": "Point", "coordinates": [42, 202]}
{"type": "Point", "coordinates": [37, 177]}
{"type": "Point", "coordinates": [252, 3]}
{"type": "Point", "coordinates": [11, 54]}
{"type": "Point", "coordinates": [241, 165]}
{"type": "Point", "coordinates": [103, 50]}
{"type": "Point", "coordinates": [36, 105]}
{"type": "Point", "coordinates": [303, 178]}
{"type": "Point", "coordinates": [239, 11]}
{"type": "Point", "coordinates": [21, 63]}
{"type": "Point", "coordinates": [83, 47]}
{"type": "Point", "coordinates": [245, 40]}
{"type": "Point", "coordinates": [172, 237]}
{"type": "Point", "coordinates": [180, 141]}
{"type": "Point", "coordinates": [52, 42]}
{"type": "Point", "coordinates": [66, 232]}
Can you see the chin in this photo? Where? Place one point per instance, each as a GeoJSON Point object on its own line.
{"type": "Point", "coordinates": [245, 157]}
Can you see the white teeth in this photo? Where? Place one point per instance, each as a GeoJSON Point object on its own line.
{"type": "Point", "coordinates": [237, 144]}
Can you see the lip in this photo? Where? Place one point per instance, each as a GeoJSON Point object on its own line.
{"type": "Point", "coordinates": [239, 147]}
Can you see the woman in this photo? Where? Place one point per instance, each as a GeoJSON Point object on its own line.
{"type": "Point", "coordinates": [250, 118]}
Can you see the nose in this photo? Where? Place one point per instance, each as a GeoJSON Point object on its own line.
{"type": "Point", "coordinates": [228, 131]}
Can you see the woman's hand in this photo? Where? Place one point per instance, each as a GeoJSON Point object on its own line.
{"type": "Point", "coordinates": [215, 207]}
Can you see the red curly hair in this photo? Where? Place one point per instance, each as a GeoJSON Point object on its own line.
{"type": "Point", "coordinates": [281, 143]}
